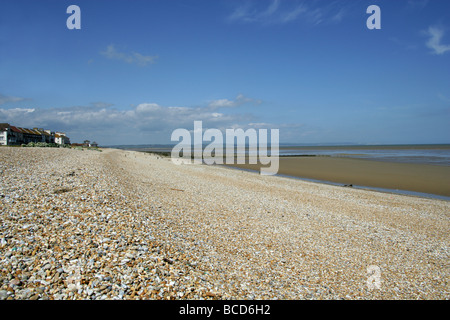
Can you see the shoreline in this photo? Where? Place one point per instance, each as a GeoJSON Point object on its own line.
{"type": "Point", "coordinates": [417, 183]}
{"type": "Point", "coordinates": [367, 188]}
{"type": "Point", "coordinates": [421, 178]}
{"type": "Point", "coordinates": [400, 177]}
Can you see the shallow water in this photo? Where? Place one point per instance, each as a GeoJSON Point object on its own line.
{"type": "Point", "coordinates": [424, 154]}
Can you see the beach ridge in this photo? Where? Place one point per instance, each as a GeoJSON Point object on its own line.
{"type": "Point", "coordinates": [130, 225]}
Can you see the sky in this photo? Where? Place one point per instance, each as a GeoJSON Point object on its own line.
{"type": "Point", "coordinates": [137, 70]}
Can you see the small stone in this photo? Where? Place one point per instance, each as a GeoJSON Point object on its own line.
{"type": "Point", "coordinates": [3, 294]}
{"type": "Point", "coordinates": [15, 282]}
{"type": "Point", "coordinates": [103, 288]}
{"type": "Point", "coordinates": [24, 277]}
{"type": "Point", "coordinates": [24, 294]}
{"type": "Point", "coordinates": [72, 287]}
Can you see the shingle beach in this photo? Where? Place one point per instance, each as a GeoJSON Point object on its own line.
{"type": "Point", "coordinates": [83, 224]}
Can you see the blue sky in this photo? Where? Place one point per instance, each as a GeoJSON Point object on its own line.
{"type": "Point", "coordinates": [137, 70]}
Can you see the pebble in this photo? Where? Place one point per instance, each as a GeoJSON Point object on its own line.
{"type": "Point", "coordinates": [3, 294]}
{"type": "Point", "coordinates": [15, 282]}
{"type": "Point", "coordinates": [117, 228]}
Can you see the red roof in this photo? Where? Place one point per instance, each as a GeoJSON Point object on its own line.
{"type": "Point", "coordinates": [15, 129]}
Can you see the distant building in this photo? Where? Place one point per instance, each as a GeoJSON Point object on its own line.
{"type": "Point", "coordinates": [4, 130]}
{"type": "Point", "coordinates": [11, 135]}
{"type": "Point", "coordinates": [48, 136]}
{"type": "Point", "coordinates": [61, 138]}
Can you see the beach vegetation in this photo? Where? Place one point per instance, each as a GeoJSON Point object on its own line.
{"type": "Point", "coordinates": [45, 145]}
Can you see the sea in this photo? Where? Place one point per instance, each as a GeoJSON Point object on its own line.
{"type": "Point", "coordinates": [434, 154]}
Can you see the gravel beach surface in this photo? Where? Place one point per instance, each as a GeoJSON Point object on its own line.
{"type": "Point", "coordinates": [127, 225]}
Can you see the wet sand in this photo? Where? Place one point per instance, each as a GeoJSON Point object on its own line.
{"type": "Point", "coordinates": [423, 178]}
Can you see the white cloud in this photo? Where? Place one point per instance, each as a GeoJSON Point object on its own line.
{"type": "Point", "coordinates": [434, 42]}
{"type": "Point", "coordinates": [19, 110]}
{"type": "Point", "coordinates": [147, 108]}
{"type": "Point", "coordinates": [134, 57]}
{"type": "Point", "coordinates": [225, 103]}
{"type": "Point", "coordinates": [222, 103]}
{"type": "Point", "coordinates": [145, 123]}
{"type": "Point", "coordinates": [260, 125]}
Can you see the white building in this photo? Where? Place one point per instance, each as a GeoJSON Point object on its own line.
{"type": "Point", "coordinates": [11, 135]}
{"type": "Point", "coordinates": [3, 137]}
{"type": "Point", "coordinates": [61, 138]}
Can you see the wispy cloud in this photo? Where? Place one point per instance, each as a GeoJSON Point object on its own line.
{"type": "Point", "coordinates": [339, 15]}
{"type": "Point", "coordinates": [443, 98]}
{"type": "Point", "coordinates": [272, 8]}
{"type": "Point", "coordinates": [278, 12]}
{"type": "Point", "coordinates": [248, 13]}
{"type": "Point", "coordinates": [7, 99]}
{"type": "Point", "coordinates": [435, 35]}
{"type": "Point", "coordinates": [134, 57]}
{"type": "Point", "coordinates": [417, 4]}
{"type": "Point", "coordinates": [294, 14]}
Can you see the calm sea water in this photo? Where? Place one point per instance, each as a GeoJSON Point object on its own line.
{"type": "Point", "coordinates": [425, 154]}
